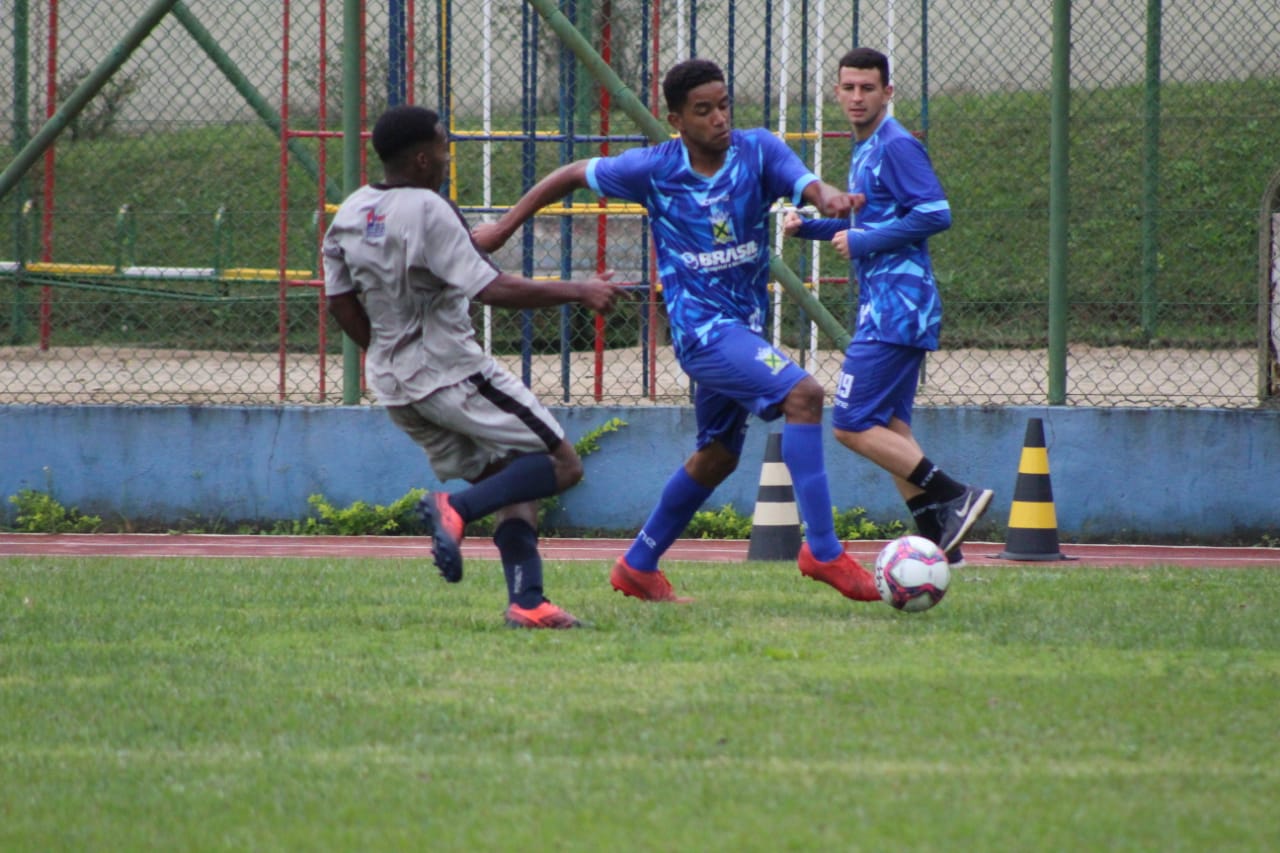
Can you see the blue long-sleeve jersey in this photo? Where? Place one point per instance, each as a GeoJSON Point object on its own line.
{"type": "Point", "coordinates": [898, 299]}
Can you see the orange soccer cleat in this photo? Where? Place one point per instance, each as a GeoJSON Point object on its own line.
{"type": "Point", "coordinates": [545, 615]}
{"type": "Point", "coordinates": [446, 527]}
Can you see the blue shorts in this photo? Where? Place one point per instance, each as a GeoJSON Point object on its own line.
{"type": "Point", "coordinates": [877, 384]}
{"type": "Point", "coordinates": [738, 374]}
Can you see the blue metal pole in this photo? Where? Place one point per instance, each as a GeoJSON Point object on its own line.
{"type": "Point", "coordinates": [729, 69]}
{"type": "Point", "coordinates": [396, 51]}
{"type": "Point", "coordinates": [529, 163]}
{"type": "Point", "coordinates": [693, 29]}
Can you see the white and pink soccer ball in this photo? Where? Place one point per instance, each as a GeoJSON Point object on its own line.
{"type": "Point", "coordinates": [912, 574]}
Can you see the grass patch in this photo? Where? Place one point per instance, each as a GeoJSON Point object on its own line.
{"type": "Point", "coordinates": [364, 704]}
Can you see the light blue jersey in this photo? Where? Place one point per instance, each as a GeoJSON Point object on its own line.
{"type": "Point", "coordinates": [711, 233]}
{"type": "Point", "coordinates": [898, 300]}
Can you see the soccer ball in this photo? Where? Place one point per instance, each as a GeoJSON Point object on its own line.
{"type": "Point", "coordinates": [912, 573]}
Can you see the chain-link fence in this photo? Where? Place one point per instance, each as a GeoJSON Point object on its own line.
{"type": "Point", "coordinates": [163, 250]}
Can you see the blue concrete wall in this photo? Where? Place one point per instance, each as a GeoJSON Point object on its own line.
{"type": "Point", "coordinates": [1145, 474]}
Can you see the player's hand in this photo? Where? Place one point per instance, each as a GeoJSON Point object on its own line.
{"type": "Point", "coordinates": [833, 203]}
{"type": "Point", "coordinates": [600, 294]}
{"type": "Point", "coordinates": [791, 222]}
{"type": "Point", "coordinates": [840, 243]}
{"type": "Point", "coordinates": [488, 237]}
{"type": "Point", "coordinates": [858, 201]}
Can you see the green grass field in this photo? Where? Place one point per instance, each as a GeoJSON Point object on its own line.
{"type": "Point", "coordinates": [364, 705]}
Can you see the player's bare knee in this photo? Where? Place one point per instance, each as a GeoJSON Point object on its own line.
{"type": "Point", "coordinates": [804, 403]}
{"type": "Point", "coordinates": [526, 512]}
{"type": "Point", "coordinates": [711, 465]}
{"type": "Point", "coordinates": [855, 441]}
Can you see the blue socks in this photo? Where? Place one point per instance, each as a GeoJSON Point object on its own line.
{"type": "Point", "coordinates": [802, 453]}
{"type": "Point", "coordinates": [522, 564]}
{"type": "Point", "coordinates": [526, 478]}
{"type": "Point", "coordinates": [680, 499]}
{"type": "Point", "coordinates": [682, 496]}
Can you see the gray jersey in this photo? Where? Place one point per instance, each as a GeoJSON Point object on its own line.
{"type": "Point", "coordinates": [409, 254]}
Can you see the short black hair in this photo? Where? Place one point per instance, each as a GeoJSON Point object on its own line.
{"type": "Point", "coordinates": [685, 76]}
{"type": "Point", "coordinates": [867, 58]}
{"type": "Point", "coordinates": [401, 127]}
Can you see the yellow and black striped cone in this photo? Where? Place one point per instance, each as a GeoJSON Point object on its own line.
{"type": "Point", "coordinates": [1033, 524]}
{"type": "Point", "coordinates": [775, 525]}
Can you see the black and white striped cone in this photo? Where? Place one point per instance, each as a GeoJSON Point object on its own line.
{"type": "Point", "coordinates": [1033, 523]}
{"type": "Point", "coordinates": [775, 525]}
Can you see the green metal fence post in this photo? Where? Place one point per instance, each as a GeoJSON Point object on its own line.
{"type": "Point", "coordinates": [21, 135]}
{"type": "Point", "coordinates": [1269, 293]}
{"type": "Point", "coordinates": [352, 144]}
{"type": "Point", "coordinates": [1151, 173]}
{"type": "Point", "coordinates": [125, 237]}
{"type": "Point", "coordinates": [1058, 200]}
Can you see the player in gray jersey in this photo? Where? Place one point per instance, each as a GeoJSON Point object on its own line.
{"type": "Point", "coordinates": [401, 273]}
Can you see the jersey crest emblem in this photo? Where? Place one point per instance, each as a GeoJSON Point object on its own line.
{"type": "Point", "coordinates": [721, 226]}
{"type": "Point", "coordinates": [375, 225]}
{"type": "Point", "coordinates": [772, 359]}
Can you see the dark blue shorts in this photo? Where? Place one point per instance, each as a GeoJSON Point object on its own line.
{"type": "Point", "coordinates": [877, 383]}
{"type": "Point", "coordinates": [737, 375]}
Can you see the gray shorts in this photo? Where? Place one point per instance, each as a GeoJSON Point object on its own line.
{"type": "Point", "coordinates": [488, 417]}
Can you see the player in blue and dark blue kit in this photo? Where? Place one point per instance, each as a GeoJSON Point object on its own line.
{"type": "Point", "coordinates": [900, 205]}
{"type": "Point", "coordinates": [708, 194]}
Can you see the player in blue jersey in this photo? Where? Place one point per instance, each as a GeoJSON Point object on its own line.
{"type": "Point", "coordinates": [899, 311]}
{"type": "Point", "coordinates": [708, 194]}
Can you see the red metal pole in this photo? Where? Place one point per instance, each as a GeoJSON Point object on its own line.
{"type": "Point", "coordinates": [323, 114]}
{"type": "Point", "coordinates": [283, 322]}
{"type": "Point", "coordinates": [654, 293]}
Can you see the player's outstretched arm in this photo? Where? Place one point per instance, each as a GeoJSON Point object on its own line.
{"type": "Point", "coordinates": [597, 293]}
{"type": "Point", "coordinates": [832, 202]}
{"type": "Point", "coordinates": [491, 236]}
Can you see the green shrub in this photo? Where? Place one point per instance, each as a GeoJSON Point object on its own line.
{"type": "Point", "coordinates": [38, 512]}
{"type": "Point", "coordinates": [728, 523]}
{"type": "Point", "coordinates": [723, 523]}
{"type": "Point", "coordinates": [853, 524]}
{"type": "Point", "coordinates": [358, 519]}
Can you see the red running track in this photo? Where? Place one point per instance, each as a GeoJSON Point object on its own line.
{"type": "Point", "coordinates": [602, 550]}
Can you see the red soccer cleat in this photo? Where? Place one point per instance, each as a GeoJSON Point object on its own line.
{"type": "Point", "coordinates": [646, 586]}
{"type": "Point", "coordinates": [545, 615]}
{"type": "Point", "coordinates": [843, 573]}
